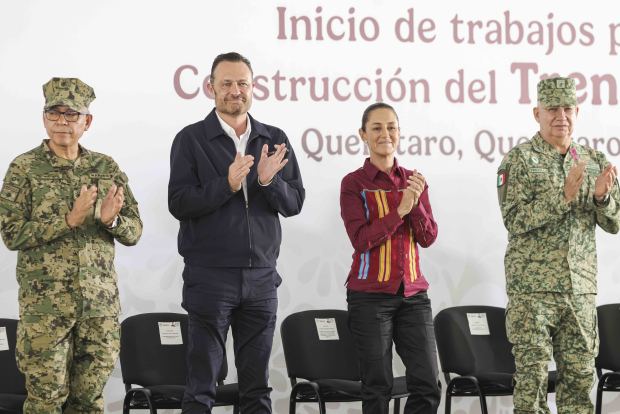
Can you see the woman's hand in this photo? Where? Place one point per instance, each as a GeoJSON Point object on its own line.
{"type": "Point", "coordinates": [411, 195]}
{"type": "Point", "coordinates": [416, 183]}
{"type": "Point", "coordinates": [407, 202]}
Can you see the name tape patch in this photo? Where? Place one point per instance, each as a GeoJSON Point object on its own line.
{"type": "Point", "coordinates": [51, 176]}
{"type": "Point", "coordinates": [539, 170]}
{"type": "Point", "coordinates": [101, 176]}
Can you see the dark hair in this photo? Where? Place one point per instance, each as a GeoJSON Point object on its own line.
{"type": "Point", "coordinates": [230, 57]}
{"type": "Point", "coordinates": [376, 105]}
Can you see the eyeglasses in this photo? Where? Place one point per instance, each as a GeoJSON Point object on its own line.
{"type": "Point", "coordinates": [70, 116]}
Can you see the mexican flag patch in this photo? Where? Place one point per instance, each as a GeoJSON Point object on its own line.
{"type": "Point", "coordinates": [501, 179]}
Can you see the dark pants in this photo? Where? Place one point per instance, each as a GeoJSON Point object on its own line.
{"type": "Point", "coordinates": [215, 299]}
{"type": "Point", "coordinates": [375, 319]}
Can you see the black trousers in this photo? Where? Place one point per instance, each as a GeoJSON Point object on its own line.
{"type": "Point", "coordinates": [216, 299]}
{"type": "Point", "coordinates": [377, 319]}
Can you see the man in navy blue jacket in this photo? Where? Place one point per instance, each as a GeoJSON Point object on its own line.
{"type": "Point", "coordinates": [230, 178]}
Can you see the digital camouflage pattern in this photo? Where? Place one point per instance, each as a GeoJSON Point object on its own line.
{"type": "Point", "coordinates": [531, 322]}
{"type": "Point", "coordinates": [66, 359]}
{"type": "Point", "coordinates": [557, 92]}
{"type": "Point", "coordinates": [70, 92]}
{"type": "Point", "coordinates": [551, 244]}
{"type": "Point", "coordinates": [551, 268]}
{"type": "Point", "coordinates": [62, 271]}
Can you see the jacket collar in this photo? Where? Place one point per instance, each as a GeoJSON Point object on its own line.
{"type": "Point", "coordinates": [214, 129]}
{"type": "Point", "coordinates": [542, 146]}
{"type": "Point", "coordinates": [371, 170]}
{"type": "Point", "coordinates": [58, 162]}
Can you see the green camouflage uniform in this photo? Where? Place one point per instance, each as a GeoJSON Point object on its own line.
{"type": "Point", "coordinates": [68, 335]}
{"type": "Point", "coordinates": [551, 265]}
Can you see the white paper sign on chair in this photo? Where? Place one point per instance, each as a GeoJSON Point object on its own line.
{"type": "Point", "coordinates": [478, 324]}
{"type": "Point", "coordinates": [4, 342]}
{"type": "Point", "coordinates": [170, 333]}
{"type": "Point", "coordinates": [327, 329]}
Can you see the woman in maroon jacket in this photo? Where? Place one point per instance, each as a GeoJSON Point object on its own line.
{"type": "Point", "coordinates": [387, 215]}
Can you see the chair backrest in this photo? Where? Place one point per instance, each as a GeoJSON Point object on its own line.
{"type": "Point", "coordinates": [311, 358]}
{"type": "Point", "coordinates": [462, 353]}
{"type": "Point", "coordinates": [145, 361]}
{"type": "Point", "coordinates": [609, 333]}
{"type": "Point", "coordinates": [12, 381]}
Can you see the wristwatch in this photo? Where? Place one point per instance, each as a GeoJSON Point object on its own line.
{"type": "Point", "coordinates": [603, 203]}
{"type": "Point", "coordinates": [114, 223]}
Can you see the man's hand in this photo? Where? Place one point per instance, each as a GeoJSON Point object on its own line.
{"type": "Point", "coordinates": [82, 204]}
{"type": "Point", "coordinates": [573, 181]}
{"type": "Point", "coordinates": [111, 205]}
{"type": "Point", "coordinates": [605, 182]}
{"type": "Point", "coordinates": [411, 196]}
{"type": "Point", "coordinates": [238, 170]}
{"type": "Point", "coordinates": [269, 166]}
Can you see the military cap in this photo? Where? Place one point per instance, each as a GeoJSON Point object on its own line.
{"type": "Point", "coordinates": [70, 92]}
{"type": "Point", "coordinates": [557, 92]}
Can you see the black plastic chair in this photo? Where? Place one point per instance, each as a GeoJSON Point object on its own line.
{"type": "Point", "coordinates": [609, 352]}
{"type": "Point", "coordinates": [161, 369]}
{"type": "Point", "coordinates": [12, 382]}
{"type": "Point", "coordinates": [484, 363]}
{"type": "Point", "coordinates": [329, 366]}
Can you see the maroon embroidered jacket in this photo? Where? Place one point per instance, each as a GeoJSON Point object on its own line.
{"type": "Point", "coordinates": [386, 246]}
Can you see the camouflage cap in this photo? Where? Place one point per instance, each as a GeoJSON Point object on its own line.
{"type": "Point", "coordinates": [557, 92]}
{"type": "Point", "coordinates": [70, 92]}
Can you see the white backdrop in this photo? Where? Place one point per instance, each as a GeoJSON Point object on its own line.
{"type": "Point", "coordinates": [129, 52]}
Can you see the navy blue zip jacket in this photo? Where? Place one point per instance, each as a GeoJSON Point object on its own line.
{"type": "Point", "coordinates": [217, 228]}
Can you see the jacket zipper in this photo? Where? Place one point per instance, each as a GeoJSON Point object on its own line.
{"type": "Point", "coordinates": [247, 213]}
{"type": "Point", "coordinates": [247, 210]}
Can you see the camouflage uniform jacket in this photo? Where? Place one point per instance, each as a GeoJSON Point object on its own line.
{"type": "Point", "coordinates": [63, 271]}
{"type": "Point", "coordinates": [551, 244]}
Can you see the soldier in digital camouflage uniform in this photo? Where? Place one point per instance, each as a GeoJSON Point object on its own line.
{"type": "Point", "coordinates": [553, 192]}
{"type": "Point", "coordinates": [61, 207]}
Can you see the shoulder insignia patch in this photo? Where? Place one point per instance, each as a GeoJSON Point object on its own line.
{"type": "Point", "coordinates": [16, 180]}
{"type": "Point", "coordinates": [124, 178]}
{"type": "Point", "coordinates": [502, 180]}
{"type": "Point", "coordinates": [9, 192]}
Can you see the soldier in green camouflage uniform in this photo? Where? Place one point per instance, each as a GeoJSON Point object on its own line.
{"type": "Point", "coordinates": [61, 207]}
{"type": "Point", "coordinates": [553, 192]}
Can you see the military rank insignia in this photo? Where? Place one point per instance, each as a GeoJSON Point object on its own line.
{"type": "Point", "coordinates": [501, 179]}
{"type": "Point", "coordinates": [9, 192]}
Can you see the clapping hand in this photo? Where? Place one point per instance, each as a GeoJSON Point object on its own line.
{"type": "Point", "coordinates": [84, 202]}
{"type": "Point", "coordinates": [238, 170]}
{"type": "Point", "coordinates": [411, 195]}
{"type": "Point", "coordinates": [269, 166]}
{"type": "Point", "coordinates": [604, 182]}
{"type": "Point", "coordinates": [111, 205]}
{"type": "Point", "coordinates": [573, 181]}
